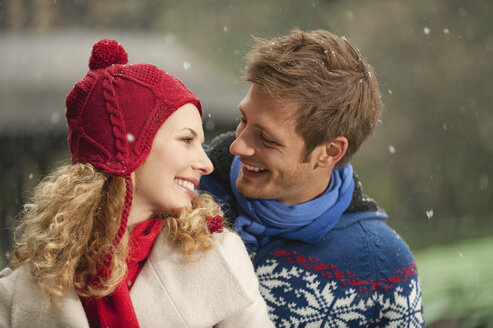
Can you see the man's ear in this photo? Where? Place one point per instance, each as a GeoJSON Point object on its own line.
{"type": "Point", "coordinates": [332, 152]}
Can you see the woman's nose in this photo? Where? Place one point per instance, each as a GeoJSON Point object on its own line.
{"type": "Point", "coordinates": [204, 164]}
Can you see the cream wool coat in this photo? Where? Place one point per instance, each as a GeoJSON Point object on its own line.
{"type": "Point", "coordinates": [220, 290]}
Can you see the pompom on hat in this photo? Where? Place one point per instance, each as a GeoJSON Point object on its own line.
{"type": "Point", "coordinates": [114, 113]}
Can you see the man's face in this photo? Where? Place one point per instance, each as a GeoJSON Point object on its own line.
{"type": "Point", "coordinates": [271, 152]}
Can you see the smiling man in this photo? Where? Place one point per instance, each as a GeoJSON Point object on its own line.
{"type": "Point", "coordinates": [321, 249]}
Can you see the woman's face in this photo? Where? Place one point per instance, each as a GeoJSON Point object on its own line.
{"type": "Point", "coordinates": [168, 177]}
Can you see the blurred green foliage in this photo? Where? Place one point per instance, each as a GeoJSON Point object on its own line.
{"type": "Point", "coordinates": [457, 282]}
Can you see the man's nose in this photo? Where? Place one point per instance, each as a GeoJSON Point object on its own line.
{"type": "Point", "coordinates": [241, 146]}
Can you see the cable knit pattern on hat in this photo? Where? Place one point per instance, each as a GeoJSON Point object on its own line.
{"type": "Point", "coordinates": [116, 119]}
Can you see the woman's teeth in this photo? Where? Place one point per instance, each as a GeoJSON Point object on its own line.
{"type": "Point", "coordinates": [254, 168]}
{"type": "Point", "coordinates": [185, 184]}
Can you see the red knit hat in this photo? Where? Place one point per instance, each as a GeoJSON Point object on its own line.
{"type": "Point", "coordinates": [115, 111]}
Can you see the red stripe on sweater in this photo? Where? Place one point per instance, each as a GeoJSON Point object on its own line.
{"type": "Point", "coordinates": [330, 271]}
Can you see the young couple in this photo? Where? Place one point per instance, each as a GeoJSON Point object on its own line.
{"type": "Point", "coordinates": [120, 237]}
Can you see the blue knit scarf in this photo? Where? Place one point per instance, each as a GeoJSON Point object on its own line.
{"type": "Point", "coordinates": [261, 219]}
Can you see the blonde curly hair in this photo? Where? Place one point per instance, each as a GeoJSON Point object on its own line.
{"type": "Point", "coordinates": [69, 227]}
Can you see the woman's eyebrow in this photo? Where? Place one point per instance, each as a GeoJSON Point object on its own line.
{"type": "Point", "coordinates": [191, 130]}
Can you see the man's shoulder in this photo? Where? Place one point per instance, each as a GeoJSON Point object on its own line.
{"type": "Point", "coordinates": [367, 249]}
{"type": "Point", "coordinates": [361, 274]}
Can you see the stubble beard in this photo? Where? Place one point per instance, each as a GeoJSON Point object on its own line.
{"type": "Point", "coordinates": [273, 188]}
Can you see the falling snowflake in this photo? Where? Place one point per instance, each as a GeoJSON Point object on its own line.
{"type": "Point", "coordinates": [55, 117]}
{"type": "Point", "coordinates": [429, 214]}
{"type": "Point", "coordinates": [484, 182]}
{"type": "Point", "coordinates": [130, 137]}
{"type": "Point", "coordinates": [391, 149]}
{"type": "Point", "coordinates": [446, 31]}
{"type": "Point", "coordinates": [186, 65]}
{"type": "Point", "coordinates": [426, 30]}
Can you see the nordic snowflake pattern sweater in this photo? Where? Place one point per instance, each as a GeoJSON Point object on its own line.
{"type": "Point", "coordinates": [362, 274]}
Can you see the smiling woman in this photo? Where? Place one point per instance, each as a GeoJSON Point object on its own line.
{"type": "Point", "coordinates": [107, 240]}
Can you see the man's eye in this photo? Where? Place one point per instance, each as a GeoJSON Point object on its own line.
{"type": "Point", "coordinates": [264, 139]}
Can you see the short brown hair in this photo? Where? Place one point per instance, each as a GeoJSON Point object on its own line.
{"type": "Point", "coordinates": [337, 92]}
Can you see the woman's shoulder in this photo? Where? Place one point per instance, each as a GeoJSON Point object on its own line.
{"type": "Point", "coordinates": [229, 243]}
{"type": "Point", "coordinates": [24, 304]}
{"type": "Point", "coordinates": [206, 289]}
{"type": "Point", "coordinates": [232, 249]}
{"type": "Point", "coordinates": [228, 259]}
{"type": "Point", "coordinates": [6, 286]}
{"type": "Point", "coordinates": [9, 279]}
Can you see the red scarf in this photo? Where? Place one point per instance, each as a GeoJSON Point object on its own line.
{"type": "Point", "coordinates": [116, 310]}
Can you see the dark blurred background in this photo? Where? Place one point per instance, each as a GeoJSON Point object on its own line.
{"type": "Point", "coordinates": [429, 163]}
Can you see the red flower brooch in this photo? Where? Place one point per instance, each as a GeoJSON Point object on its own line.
{"type": "Point", "coordinates": [215, 224]}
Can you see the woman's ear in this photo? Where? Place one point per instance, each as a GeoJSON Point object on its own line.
{"type": "Point", "coordinates": [332, 151]}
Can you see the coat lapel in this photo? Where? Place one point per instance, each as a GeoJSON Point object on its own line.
{"type": "Point", "coordinates": [173, 292]}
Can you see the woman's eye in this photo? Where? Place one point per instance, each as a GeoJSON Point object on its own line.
{"type": "Point", "coordinates": [187, 139]}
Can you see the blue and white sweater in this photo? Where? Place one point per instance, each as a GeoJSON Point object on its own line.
{"type": "Point", "coordinates": [362, 274]}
